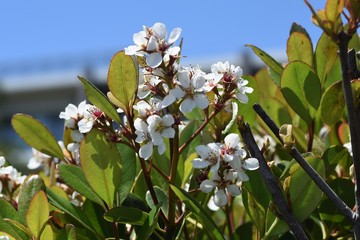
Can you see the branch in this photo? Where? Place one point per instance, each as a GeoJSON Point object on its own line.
{"type": "Point", "coordinates": [344, 209]}
{"type": "Point", "coordinates": [271, 183]}
{"type": "Point", "coordinates": [352, 113]}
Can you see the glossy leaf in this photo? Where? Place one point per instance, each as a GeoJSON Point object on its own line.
{"type": "Point", "coordinates": [97, 98]}
{"type": "Point", "coordinates": [66, 206]}
{"type": "Point", "coordinates": [75, 178]}
{"type": "Point", "coordinates": [128, 215]}
{"type": "Point", "coordinates": [35, 134]}
{"type": "Point", "coordinates": [301, 89]}
{"type": "Point", "coordinates": [325, 57]}
{"type": "Point", "coordinates": [100, 162]}
{"type": "Point", "coordinates": [332, 104]}
{"type": "Point", "coordinates": [199, 212]}
{"type": "Point", "coordinates": [38, 213]}
{"type": "Point", "coordinates": [268, 60]}
{"type": "Point", "coordinates": [70, 232]}
{"type": "Point", "coordinates": [335, 155]}
{"type": "Point", "coordinates": [162, 198]}
{"type": "Point", "coordinates": [128, 170]}
{"type": "Point", "coordinates": [20, 231]}
{"type": "Point", "coordinates": [333, 9]}
{"type": "Point", "coordinates": [299, 47]}
{"type": "Point", "coordinates": [304, 193]}
{"type": "Point", "coordinates": [94, 213]}
{"type": "Point", "coordinates": [29, 188]}
{"type": "Point", "coordinates": [295, 27]}
{"type": "Point", "coordinates": [151, 222]}
{"type": "Point", "coordinates": [123, 79]}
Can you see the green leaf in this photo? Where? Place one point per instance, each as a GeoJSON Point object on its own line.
{"type": "Point", "coordinates": [335, 155]}
{"type": "Point", "coordinates": [151, 222]}
{"type": "Point", "coordinates": [299, 47]}
{"type": "Point", "coordinates": [38, 213]}
{"type": "Point", "coordinates": [298, 28]}
{"type": "Point", "coordinates": [199, 212]}
{"type": "Point", "coordinates": [47, 233]}
{"type": "Point", "coordinates": [35, 134]}
{"type": "Point", "coordinates": [301, 89]}
{"type": "Point", "coordinates": [332, 104]}
{"type": "Point", "coordinates": [325, 57]}
{"type": "Point", "coordinates": [99, 99]}
{"type": "Point", "coordinates": [128, 215]}
{"type": "Point", "coordinates": [128, 170]}
{"type": "Point", "coordinates": [268, 60]}
{"type": "Point", "coordinates": [7, 210]}
{"type": "Point", "coordinates": [186, 133]}
{"type": "Point", "coordinates": [304, 193]}
{"type": "Point", "coordinates": [70, 232]}
{"type": "Point", "coordinates": [65, 205]}
{"type": "Point", "coordinates": [333, 9]}
{"type": "Point", "coordinates": [100, 162]}
{"type": "Point", "coordinates": [246, 110]}
{"type": "Point", "coordinates": [123, 79]}
{"type": "Point", "coordinates": [75, 178]}
{"type": "Point", "coordinates": [94, 213]}
{"type": "Point", "coordinates": [19, 229]}
{"type": "Point", "coordinates": [162, 198]}
{"type": "Point", "coordinates": [29, 188]}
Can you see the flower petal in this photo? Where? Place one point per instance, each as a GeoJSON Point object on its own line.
{"type": "Point", "coordinates": [174, 35]}
{"type": "Point", "coordinates": [159, 30]}
{"type": "Point", "coordinates": [184, 78]}
{"type": "Point", "coordinates": [220, 198]}
{"type": "Point", "coordinates": [152, 44]}
{"type": "Point", "coordinates": [146, 151]}
{"type": "Point", "coordinates": [207, 186]}
{"type": "Point", "coordinates": [233, 190]}
{"type": "Point", "coordinates": [168, 132]}
{"type": "Point", "coordinates": [251, 164]}
{"type": "Point", "coordinates": [140, 38]}
{"type": "Point", "coordinates": [201, 100]}
{"type": "Point", "coordinates": [33, 163]}
{"type": "Point", "coordinates": [232, 140]}
{"type": "Point", "coordinates": [2, 161]}
{"type": "Point", "coordinates": [154, 60]}
{"type": "Point", "coordinates": [199, 163]}
{"type": "Point", "coordinates": [187, 105]}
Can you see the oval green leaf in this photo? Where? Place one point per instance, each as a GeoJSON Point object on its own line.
{"type": "Point", "coordinates": [301, 89]}
{"type": "Point", "coordinates": [325, 57]}
{"type": "Point", "coordinates": [38, 213]}
{"type": "Point", "coordinates": [29, 188]}
{"type": "Point", "coordinates": [123, 78]}
{"type": "Point", "coordinates": [332, 104]}
{"type": "Point", "coordinates": [129, 215]}
{"type": "Point", "coordinates": [75, 178]}
{"type": "Point", "coordinates": [269, 61]}
{"type": "Point", "coordinates": [299, 47]}
{"type": "Point", "coordinates": [97, 98]}
{"type": "Point", "coordinates": [305, 195]}
{"type": "Point", "coordinates": [199, 212]}
{"type": "Point", "coordinates": [100, 162]}
{"type": "Point", "coordinates": [35, 134]}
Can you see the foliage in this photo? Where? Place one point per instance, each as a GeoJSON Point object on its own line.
{"type": "Point", "coordinates": [159, 156]}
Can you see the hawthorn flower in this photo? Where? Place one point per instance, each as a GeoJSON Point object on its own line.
{"type": "Point", "coordinates": [37, 159]}
{"type": "Point", "coordinates": [145, 109]}
{"type": "Point", "coordinates": [154, 44]}
{"type": "Point", "coordinates": [10, 175]}
{"type": "Point", "coordinates": [190, 89]}
{"type": "Point", "coordinates": [159, 128]}
{"type": "Point", "coordinates": [231, 149]}
{"type": "Point", "coordinates": [209, 156]}
{"type": "Point", "coordinates": [147, 84]}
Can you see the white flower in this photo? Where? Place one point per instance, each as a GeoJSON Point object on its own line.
{"type": "Point", "coordinates": [152, 43]}
{"type": "Point", "coordinates": [87, 122]}
{"type": "Point", "coordinates": [37, 159]}
{"type": "Point", "coordinates": [191, 90]}
{"type": "Point", "coordinates": [2, 161]}
{"type": "Point", "coordinates": [349, 147]}
{"type": "Point", "coordinates": [209, 156]}
{"type": "Point", "coordinates": [242, 90]}
{"type": "Point", "coordinates": [231, 148]}
{"type": "Point", "coordinates": [145, 109]}
{"type": "Point", "coordinates": [3, 237]}
{"type": "Point", "coordinates": [147, 84]}
{"type": "Point", "coordinates": [160, 127]}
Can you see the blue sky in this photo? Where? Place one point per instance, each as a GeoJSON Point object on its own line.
{"type": "Point", "coordinates": [39, 28]}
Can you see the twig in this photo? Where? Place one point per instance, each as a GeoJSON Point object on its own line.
{"type": "Point", "coordinates": [353, 115]}
{"type": "Point", "coordinates": [271, 183]}
{"type": "Point", "coordinates": [344, 209]}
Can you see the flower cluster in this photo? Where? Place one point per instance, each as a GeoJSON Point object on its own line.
{"type": "Point", "coordinates": [226, 164]}
{"type": "Point", "coordinates": [80, 119]}
{"type": "Point", "coordinates": [154, 45]}
{"type": "Point", "coordinates": [10, 178]}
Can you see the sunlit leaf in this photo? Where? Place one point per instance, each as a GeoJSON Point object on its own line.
{"type": "Point", "coordinates": [162, 198]}
{"type": "Point", "coordinates": [75, 178]}
{"type": "Point", "coordinates": [124, 215]}
{"type": "Point", "coordinates": [299, 47]}
{"type": "Point", "coordinates": [268, 60]}
{"type": "Point", "coordinates": [47, 233]}
{"type": "Point", "coordinates": [333, 9]}
{"type": "Point", "coordinates": [332, 104]}
{"type": "Point", "coordinates": [301, 89]}
{"type": "Point", "coordinates": [123, 78]}
{"type": "Point", "coordinates": [325, 57]}
{"type": "Point", "coordinates": [97, 98]}
{"type": "Point", "coordinates": [100, 162]}
{"type": "Point", "coordinates": [70, 232]}
{"type": "Point", "coordinates": [199, 212]}
{"type": "Point", "coordinates": [35, 134]}
{"type": "Point", "coordinates": [38, 213]}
